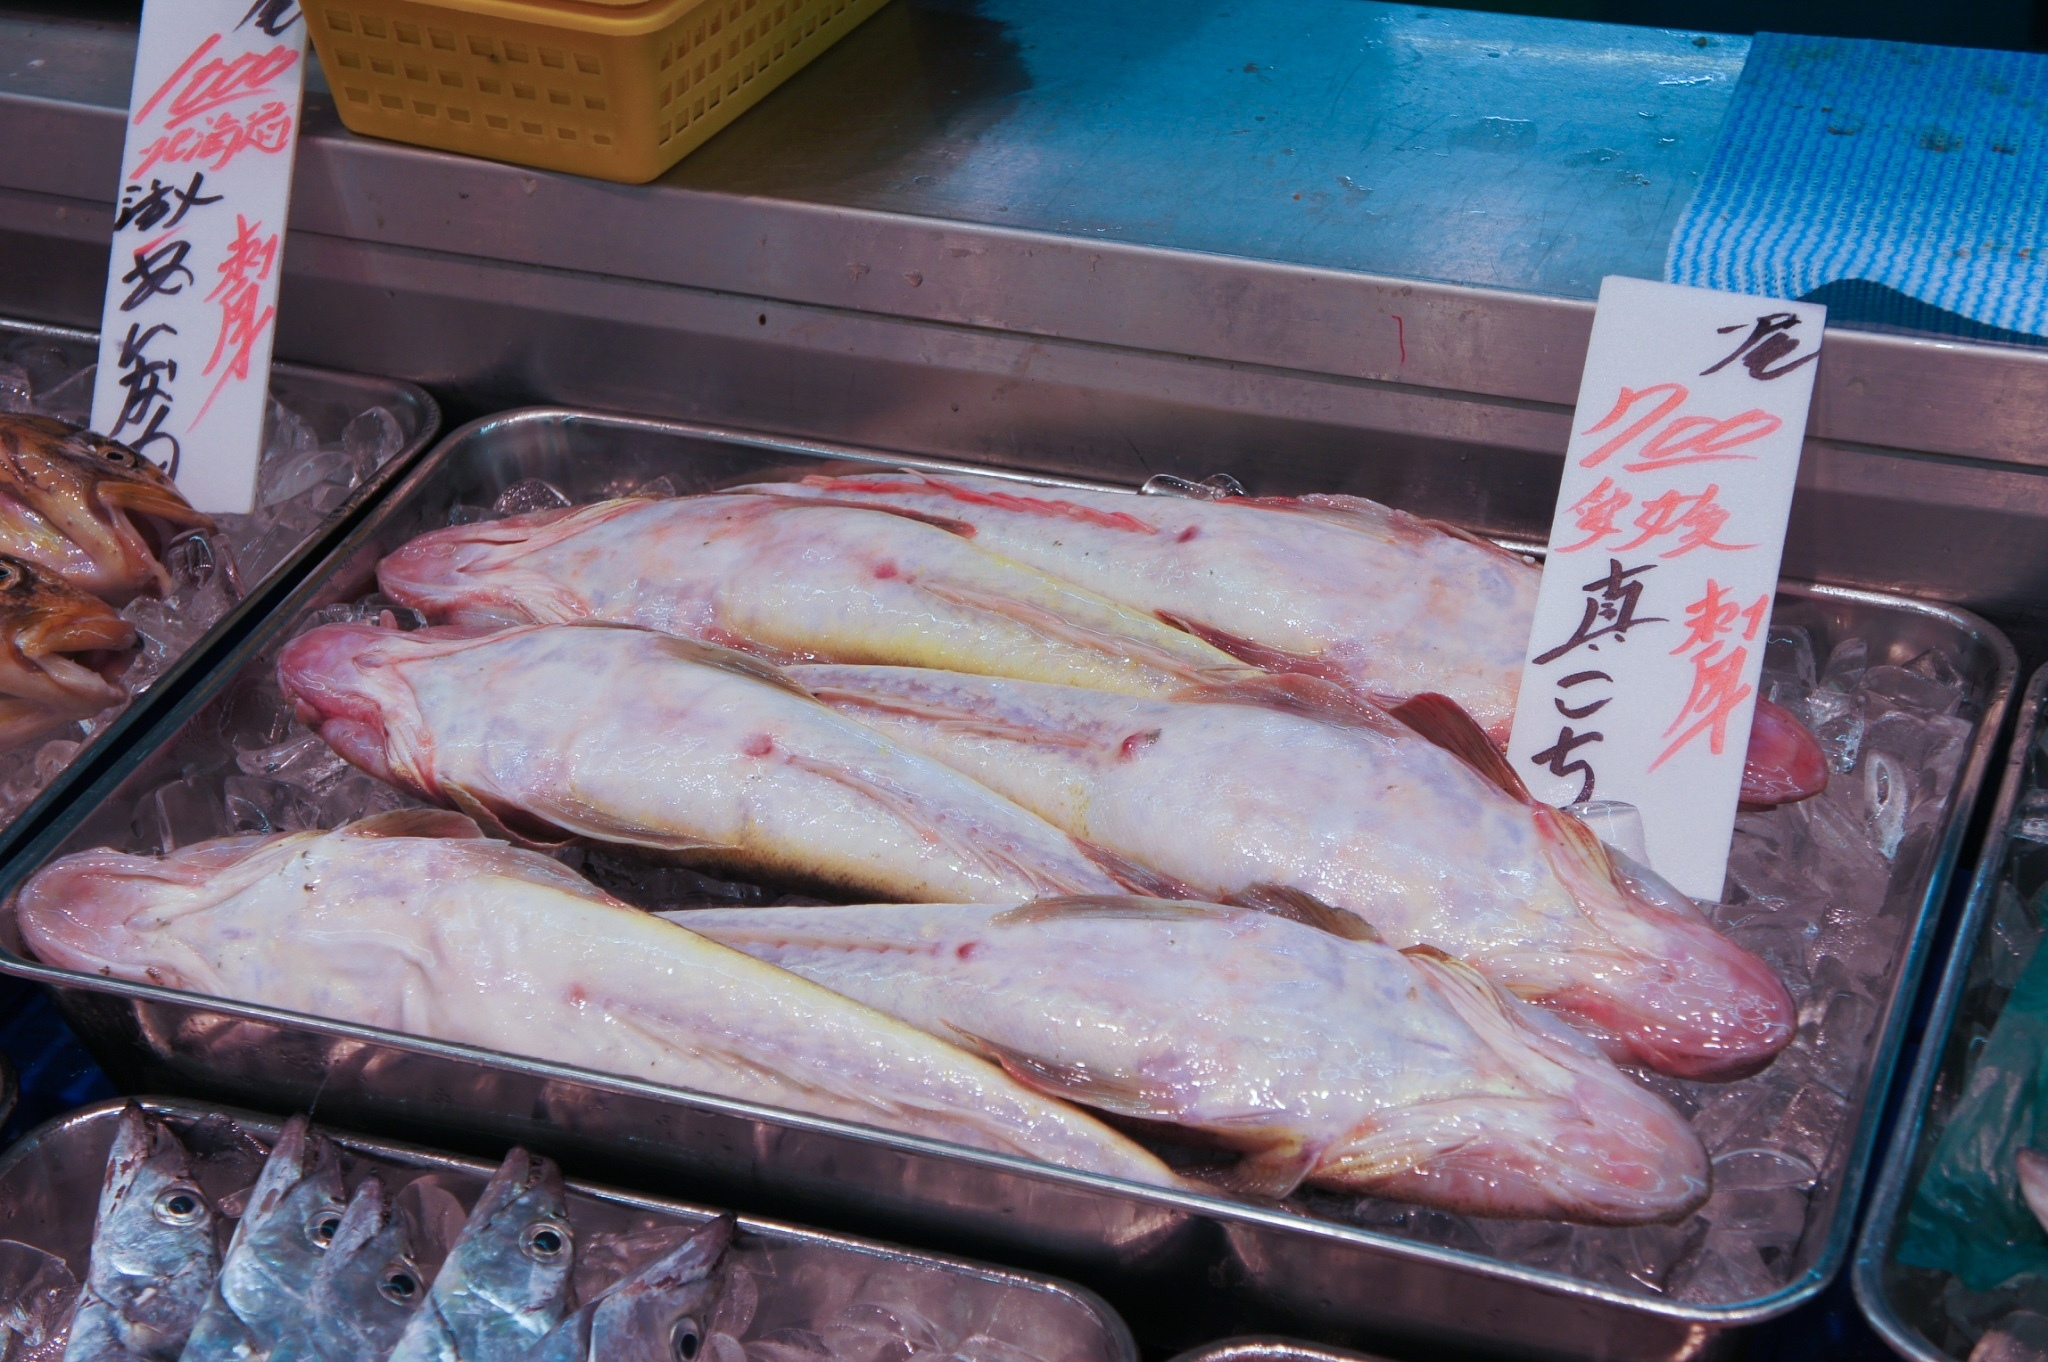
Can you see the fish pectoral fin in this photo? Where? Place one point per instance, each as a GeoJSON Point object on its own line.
{"type": "Point", "coordinates": [1139, 879]}
{"type": "Point", "coordinates": [1299, 694]}
{"type": "Point", "coordinates": [948, 719]}
{"type": "Point", "coordinates": [1298, 905]}
{"type": "Point", "coordinates": [529, 834]}
{"type": "Point", "coordinates": [415, 823]}
{"type": "Point", "coordinates": [1444, 722]}
{"type": "Point", "coordinates": [1071, 1082]}
{"type": "Point", "coordinates": [1275, 1161]}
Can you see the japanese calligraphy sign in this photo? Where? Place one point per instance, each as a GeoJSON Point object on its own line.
{"type": "Point", "coordinates": [1642, 670]}
{"type": "Point", "coordinates": [186, 329]}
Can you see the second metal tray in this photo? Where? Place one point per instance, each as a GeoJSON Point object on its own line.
{"type": "Point", "coordinates": [1183, 1267]}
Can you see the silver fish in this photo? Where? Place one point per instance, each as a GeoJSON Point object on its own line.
{"type": "Point", "coordinates": [1432, 846]}
{"type": "Point", "coordinates": [1319, 1053]}
{"type": "Point", "coordinates": [506, 1282]}
{"type": "Point", "coordinates": [633, 737]}
{"type": "Point", "coordinates": [659, 1314]}
{"type": "Point", "coordinates": [292, 1215]}
{"type": "Point", "coordinates": [415, 922]}
{"type": "Point", "coordinates": [368, 1285]}
{"type": "Point", "coordinates": [154, 1254]}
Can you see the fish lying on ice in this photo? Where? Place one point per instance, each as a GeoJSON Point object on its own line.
{"type": "Point", "coordinates": [629, 736]}
{"type": "Point", "coordinates": [87, 510]}
{"type": "Point", "coordinates": [1339, 587]}
{"type": "Point", "coordinates": [507, 1280]}
{"type": "Point", "coordinates": [1229, 795]}
{"type": "Point", "coordinates": [154, 1255]}
{"type": "Point", "coordinates": [1320, 1054]}
{"type": "Point", "coordinates": [794, 579]}
{"type": "Point", "coordinates": [365, 1289]}
{"type": "Point", "coordinates": [415, 923]}
{"type": "Point", "coordinates": [56, 645]}
{"type": "Point", "coordinates": [293, 1213]}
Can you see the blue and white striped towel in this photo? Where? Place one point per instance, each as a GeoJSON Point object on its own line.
{"type": "Point", "coordinates": [1920, 169]}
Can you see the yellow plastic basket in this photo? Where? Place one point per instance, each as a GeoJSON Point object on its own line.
{"type": "Point", "coordinates": [618, 89]}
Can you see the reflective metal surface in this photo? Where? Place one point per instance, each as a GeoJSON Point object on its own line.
{"type": "Point", "coordinates": [1182, 1267]}
{"type": "Point", "coordinates": [913, 246]}
{"type": "Point", "coordinates": [1943, 1052]}
{"type": "Point", "coordinates": [327, 402]}
{"type": "Point", "coordinates": [1269, 1350]}
{"type": "Point", "coordinates": [50, 1186]}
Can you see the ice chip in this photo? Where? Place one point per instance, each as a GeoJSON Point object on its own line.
{"type": "Point", "coordinates": [17, 394]}
{"type": "Point", "coordinates": [37, 1290]}
{"type": "Point", "coordinates": [370, 440]}
{"type": "Point", "coordinates": [1846, 665]}
{"type": "Point", "coordinates": [530, 495]}
{"type": "Point", "coordinates": [294, 475]}
{"type": "Point", "coordinates": [1788, 657]}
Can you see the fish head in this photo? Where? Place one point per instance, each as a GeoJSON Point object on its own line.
{"type": "Point", "coordinates": [294, 1212]}
{"type": "Point", "coordinates": [126, 916]}
{"type": "Point", "coordinates": [662, 1313]}
{"type": "Point", "coordinates": [369, 1283]}
{"type": "Point", "coordinates": [1556, 1132]}
{"type": "Point", "coordinates": [115, 508]}
{"type": "Point", "coordinates": [335, 678]}
{"type": "Point", "coordinates": [154, 1251]}
{"type": "Point", "coordinates": [517, 1251]}
{"type": "Point", "coordinates": [1663, 988]}
{"type": "Point", "coordinates": [60, 648]}
{"type": "Point", "coordinates": [483, 573]}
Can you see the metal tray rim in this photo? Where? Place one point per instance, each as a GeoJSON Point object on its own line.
{"type": "Point", "coordinates": [1874, 1243]}
{"type": "Point", "coordinates": [1809, 1283]}
{"type": "Point", "coordinates": [246, 613]}
{"type": "Point", "coordinates": [1117, 1332]}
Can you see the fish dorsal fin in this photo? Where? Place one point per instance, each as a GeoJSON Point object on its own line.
{"type": "Point", "coordinates": [938, 522]}
{"type": "Point", "coordinates": [415, 823]}
{"type": "Point", "coordinates": [1310, 697]}
{"type": "Point", "coordinates": [1444, 722]}
{"type": "Point", "coordinates": [1114, 1093]}
{"type": "Point", "coordinates": [1127, 907]}
{"type": "Point", "coordinates": [1140, 879]}
{"type": "Point", "coordinates": [702, 654]}
{"type": "Point", "coordinates": [1480, 542]}
{"type": "Point", "coordinates": [1298, 905]}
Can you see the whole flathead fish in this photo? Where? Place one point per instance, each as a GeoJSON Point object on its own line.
{"type": "Point", "coordinates": [293, 1214]}
{"type": "Point", "coordinates": [1319, 1053]}
{"type": "Point", "coordinates": [56, 645]}
{"type": "Point", "coordinates": [795, 579]}
{"type": "Point", "coordinates": [415, 923]}
{"type": "Point", "coordinates": [507, 1280]}
{"type": "Point", "coordinates": [153, 1250]}
{"type": "Point", "coordinates": [92, 512]}
{"type": "Point", "coordinates": [1232, 795]}
{"type": "Point", "coordinates": [1340, 587]}
{"type": "Point", "coordinates": [659, 1314]}
{"type": "Point", "coordinates": [367, 1286]}
{"type": "Point", "coordinates": [629, 736]}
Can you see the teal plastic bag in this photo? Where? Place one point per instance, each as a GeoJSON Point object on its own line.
{"type": "Point", "coordinates": [1966, 1216]}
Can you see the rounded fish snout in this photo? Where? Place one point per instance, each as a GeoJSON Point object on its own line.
{"type": "Point", "coordinates": [322, 671]}
{"type": "Point", "coordinates": [1706, 1009]}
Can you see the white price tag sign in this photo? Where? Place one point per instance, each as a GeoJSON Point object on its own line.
{"type": "Point", "coordinates": [186, 330]}
{"type": "Point", "coordinates": [1641, 675]}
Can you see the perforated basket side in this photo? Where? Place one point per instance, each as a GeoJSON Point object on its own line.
{"type": "Point", "coordinates": [571, 93]}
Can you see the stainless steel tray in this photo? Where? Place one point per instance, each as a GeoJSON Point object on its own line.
{"type": "Point", "coordinates": [1269, 1350]}
{"type": "Point", "coordinates": [327, 400]}
{"type": "Point", "coordinates": [1944, 1055]}
{"type": "Point", "coordinates": [1182, 1267]}
{"type": "Point", "coordinates": [50, 1187]}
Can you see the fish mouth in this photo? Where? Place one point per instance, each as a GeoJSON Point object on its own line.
{"type": "Point", "coordinates": [148, 520]}
{"type": "Point", "coordinates": [82, 652]}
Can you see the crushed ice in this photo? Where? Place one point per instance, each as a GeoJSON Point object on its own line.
{"type": "Point", "coordinates": [301, 483]}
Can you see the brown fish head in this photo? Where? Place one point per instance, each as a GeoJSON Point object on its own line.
{"type": "Point", "coordinates": [88, 508]}
{"type": "Point", "coordinates": [60, 649]}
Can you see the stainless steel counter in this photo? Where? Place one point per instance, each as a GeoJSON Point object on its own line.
{"type": "Point", "coordinates": [1067, 236]}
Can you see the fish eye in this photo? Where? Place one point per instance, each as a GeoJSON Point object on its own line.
{"type": "Point", "coordinates": [324, 1227]}
{"type": "Point", "coordinates": [9, 576]}
{"type": "Point", "coordinates": [684, 1340]}
{"type": "Point", "coordinates": [544, 1243]}
{"type": "Point", "coordinates": [400, 1284]}
{"type": "Point", "coordinates": [117, 455]}
{"type": "Point", "coordinates": [180, 1206]}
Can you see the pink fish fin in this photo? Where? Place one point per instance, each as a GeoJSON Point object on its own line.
{"type": "Point", "coordinates": [1125, 907]}
{"type": "Point", "coordinates": [908, 482]}
{"type": "Point", "coordinates": [1496, 1015]}
{"type": "Point", "coordinates": [2031, 1167]}
{"type": "Point", "coordinates": [1276, 1160]}
{"type": "Point", "coordinates": [948, 719]}
{"type": "Point", "coordinates": [1298, 905]}
{"type": "Point", "coordinates": [1137, 877]}
{"type": "Point", "coordinates": [1114, 1093]}
{"type": "Point", "coordinates": [1298, 693]}
{"type": "Point", "coordinates": [1784, 763]}
{"type": "Point", "coordinates": [728, 660]}
{"type": "Point", "coordinates": [1052, 625]}
{"type": "Point", "coordinates": [415, 823]}
{"type": "Point", "coordinates": [498, 823]}
{"type": "Point", "coordinates": [1444, 722]}
{"type": "Point", "coordinates": [938, 522]}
